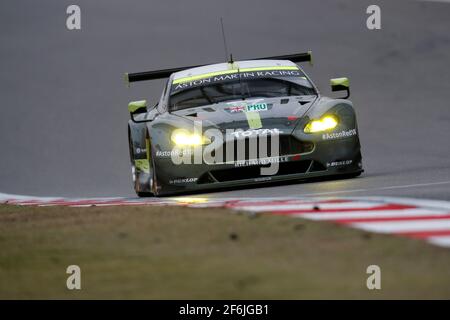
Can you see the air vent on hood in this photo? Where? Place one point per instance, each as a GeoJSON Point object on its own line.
{"type": "Point", "coordinates": [305, 99]}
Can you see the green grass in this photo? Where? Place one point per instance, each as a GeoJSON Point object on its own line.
{"type": "Point", "coordinates": [181, 253]}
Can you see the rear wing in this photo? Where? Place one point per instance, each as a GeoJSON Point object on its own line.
{"type": "Point", "coordinates": [165, 73]}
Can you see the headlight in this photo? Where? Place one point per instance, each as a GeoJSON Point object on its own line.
{"type": "Point", "coordinates": [323, 124]}
{"type": "Point", "coordinates": [182, 137]}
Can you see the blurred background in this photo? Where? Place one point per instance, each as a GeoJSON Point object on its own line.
{"type": "Point", "coordinates": [63, 111]}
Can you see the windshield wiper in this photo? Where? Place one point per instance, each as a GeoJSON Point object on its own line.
{"type": "Point", "coordinates": [202, 90]}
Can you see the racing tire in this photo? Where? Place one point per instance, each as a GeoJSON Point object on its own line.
{"type": "Point", "coordinates": [140, 194]}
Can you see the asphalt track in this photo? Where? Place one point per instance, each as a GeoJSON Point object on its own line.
{"type": "Point", "coordinates": [63, 101]}
{"type": "Point", "coordinates": [428, 220]}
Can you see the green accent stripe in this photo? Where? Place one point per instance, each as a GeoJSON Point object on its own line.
{"type": "Point", "coordinates": [133, 106]}
{"type": "Point", "coordinates": [268, 68]}
{"type": "Point", "coordinates": [340, 81]}
{"type": "Point", "coordinates": [142, 165]}
{"type": "Point", "coordinates": [254, 120]}
{"type": "Point", "coordinates": [202, 76]}
{"type": "Point", "coordinates": [147, 147]}
{"type": "Point", "coordinates": [224, 72]}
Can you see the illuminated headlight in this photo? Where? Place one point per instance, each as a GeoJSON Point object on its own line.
{"type": "Point", "coordinates": [182, 137]}
{"type": "Point", "coordinates": [323, 124]}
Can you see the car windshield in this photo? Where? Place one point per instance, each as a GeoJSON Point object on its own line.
{"type": "Point", "coordinates": [240, 89]}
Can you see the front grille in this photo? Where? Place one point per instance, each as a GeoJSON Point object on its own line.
{"type": "Point", "coordinates": [248, 148]}
{"type": "Point", "coordinates": [253, 172]}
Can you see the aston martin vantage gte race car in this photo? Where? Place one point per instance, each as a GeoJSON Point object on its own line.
{"type": "Point", "coordinates": [240, 123]}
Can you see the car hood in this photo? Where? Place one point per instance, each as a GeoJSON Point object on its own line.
{"type": "Point", "coordinates": [281, 113]}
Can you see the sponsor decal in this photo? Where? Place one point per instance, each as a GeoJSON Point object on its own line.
{"type": "Point", "coordinates": [339, 135]}
{"type": "Point", "coordinates": [183, 180]}
{"type": "Point", "coordinates": [255, 132]}
{"type": "Point", "coordinates": [260, 161]}
{"type": "Point", "coordinates": [236, 76]}
{"type": "Point", "coordinates": [257, 107]}
{"type": "Point", "coordinates": [141, 150]}
{"type": "Point", "coordinates": [248, 108]}
{"type": "Point", "coordinates": [175, 152]}
{"type": "Point", "coordinates": [235, 109]}
{"type": "Point", "coordinates": [263, 179]}
{"type": "Point", "coordinates": [339, 163]}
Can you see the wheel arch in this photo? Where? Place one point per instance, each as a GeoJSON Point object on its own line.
{"type": "Point", "coordinates": [139, 150]}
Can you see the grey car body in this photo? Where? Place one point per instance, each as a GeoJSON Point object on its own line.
{"type": "Point", "coordinates": [300, 155]}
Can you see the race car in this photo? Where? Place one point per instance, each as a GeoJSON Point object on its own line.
{"type": "Point", "coordinates": [240, 123]}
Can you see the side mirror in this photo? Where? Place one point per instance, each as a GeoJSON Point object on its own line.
{"type": "Point", "coordinates": [340, 84]}
{"type": "Point", "coordinates": [137, 107]}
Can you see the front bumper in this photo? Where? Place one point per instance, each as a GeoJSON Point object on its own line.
{"type": "Point", "coordinates": [327, 158]}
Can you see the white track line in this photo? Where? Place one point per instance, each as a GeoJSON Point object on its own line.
{"type": "Point", "coordinates": [443, 1]}
{"type": "Point", "coordinates": [322, 206]}
{"type": "Point", "coordinates": [403, 226]}
{"type": "Point", "coordinates": [438, 204]}
{"type": "Point", "coordinates": [372, 214]}
{"type": "Point", "coordinates": [443, 241]}
{"type": "Point", "coordinates": [375, 189]}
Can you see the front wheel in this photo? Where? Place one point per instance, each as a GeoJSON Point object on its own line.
{"type": "Point", "coordinates": [142, 171]}
{"type": "Point", "coordinates": [144, 194]}
{"type": "Point", "coordinates": [143, 181]}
